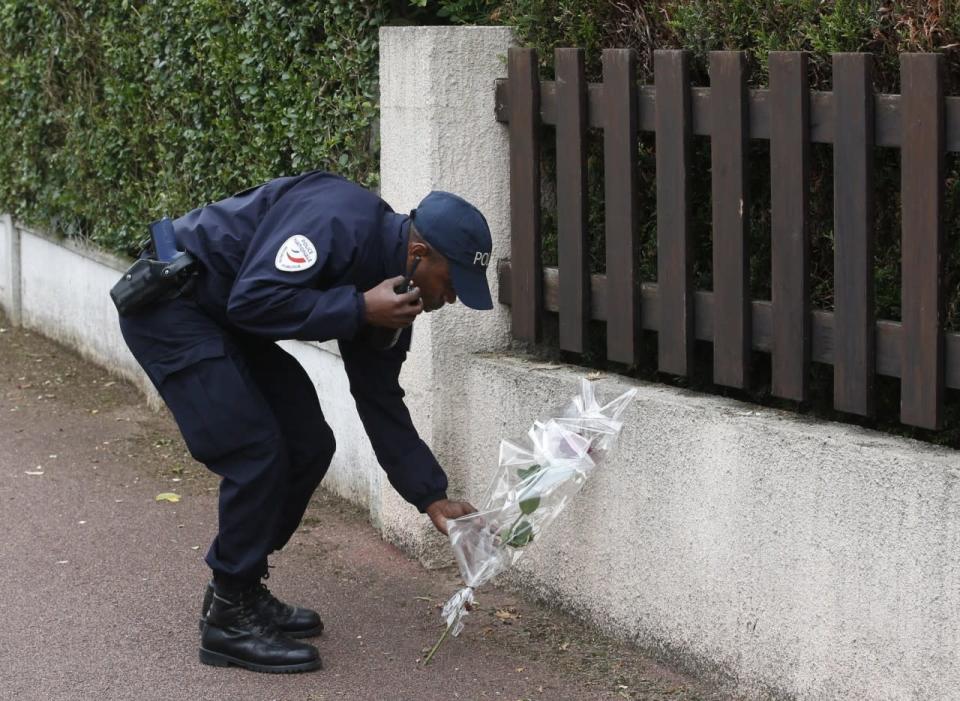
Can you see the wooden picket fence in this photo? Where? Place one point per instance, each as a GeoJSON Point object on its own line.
{"type": "Point", "coordinates": [921, 122]}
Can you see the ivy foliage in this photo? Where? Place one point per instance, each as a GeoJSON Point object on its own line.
{"type": "Point", "coordinates": [113, 114]}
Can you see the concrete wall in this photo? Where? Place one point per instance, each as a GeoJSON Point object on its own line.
{"type": "Point", "coordinates": [438, 133]}
{"type": "Point", "coordinates": [772, 552]}
{"type": "Point", "coordinates": [65, 295]}
{"type": "Point", "coordinates": [785, 556]}
{"type": "Point", "coordinates": [10, 269]}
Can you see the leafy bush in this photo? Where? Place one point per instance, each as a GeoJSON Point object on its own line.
{"type": "Point", "coordinates": [113, 114]}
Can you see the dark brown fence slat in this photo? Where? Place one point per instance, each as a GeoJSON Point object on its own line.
{"type": "Point", "coordinates": [728, 152]}
{"type": "Point", "coordinates": [525, 193]}
{"type": "Point", "coordinates": [790, 239]}
{"type": "Point", "coordinates": [821, 117]}
{"type": "Point", "coordinates": [886, 109]}
{"type": "Point", "coordinates": [571, 199]}
{"type": "Point", "coordinates": [700, 110]}
{"type": "Point", "coordinates": [922, 167]}
{"type": "Point", "coordinates": [854, 323]}
{"type": "Point", "coordinates": [951, 347]}
{"type": "Point", "coordinates": [951, 118]}
{"type": "Point", "coordinates": [620, 144]}
{"type": "Point", "coordinates": [887, 332]}
{"type": "Point", "coordinates": [922, 122]}
{"type": "Point", "coordinates": [674, 244]}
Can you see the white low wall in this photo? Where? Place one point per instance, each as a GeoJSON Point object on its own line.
{"type": "Point", "coordinates": [61, 289]}
{"type": "Point", "coordinates": [10, 268]}
{"type": "Point", "coordinates": [786, 557]}
{"type": "Point", "coordinates": [776, 553]}
{"type": "Point", "coordinates": [65, 294]}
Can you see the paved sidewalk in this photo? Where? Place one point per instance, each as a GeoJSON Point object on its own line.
{"type": "Point", "coordinates": [100, 584]}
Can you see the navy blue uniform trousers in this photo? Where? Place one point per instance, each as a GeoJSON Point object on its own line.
{"type": "Point", "coordinates": [249, 412]}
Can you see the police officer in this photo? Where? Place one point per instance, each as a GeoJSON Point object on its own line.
{"type": "Point", "coordinates": [311, 257]}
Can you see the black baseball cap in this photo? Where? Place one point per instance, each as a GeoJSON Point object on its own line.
{"type": "Point", "coordinates": [458, 230]}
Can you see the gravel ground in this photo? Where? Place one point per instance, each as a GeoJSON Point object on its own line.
{"type": "Point", "coordinates": [101, 584]}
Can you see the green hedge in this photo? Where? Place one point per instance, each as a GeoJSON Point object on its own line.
{"type": "Point", "coordinates": [114, 113]}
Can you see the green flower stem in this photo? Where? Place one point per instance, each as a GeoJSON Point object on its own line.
{"type": "Point", "coordinates": [436, 647]}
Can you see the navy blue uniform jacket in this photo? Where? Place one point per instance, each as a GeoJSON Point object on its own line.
{"type": "Point", "coordinates": [257, 277]}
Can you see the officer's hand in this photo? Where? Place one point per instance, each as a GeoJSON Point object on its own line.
{"type": "Point", "coordinates": [386, 308]}
{"type": "Point", "coordinates": [440, 511]}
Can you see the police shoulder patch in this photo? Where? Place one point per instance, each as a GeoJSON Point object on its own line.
{"type": "Point", "coordinates": [296, 253]}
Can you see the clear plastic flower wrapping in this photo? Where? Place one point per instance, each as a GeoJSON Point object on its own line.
{"type": "Point", "coordinates": [536, 477]}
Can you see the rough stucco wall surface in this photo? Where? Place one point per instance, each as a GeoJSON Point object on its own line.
{"type": "Point", "coordinates": [66, 296]}
{"type": "Point", "coordinates": [9, 268]}
{"type": "Point", "coordinates": [438, 132]}
{"type": "Point", "coordinates": [809, 557]}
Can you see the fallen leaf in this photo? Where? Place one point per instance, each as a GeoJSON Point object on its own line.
{"type": "Point", "coordinates": [564, 647]}
{"type": "Point", "coordinates": [168, 496]}
{"type": "Point", "coordinates": [505, 615]}
{"type": "Point", "coordinates": [194, 547]}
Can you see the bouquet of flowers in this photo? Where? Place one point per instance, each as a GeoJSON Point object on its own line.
{"type": "Point", "coordinates": [535, 479]}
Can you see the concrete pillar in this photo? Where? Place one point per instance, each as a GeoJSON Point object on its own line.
{"type": "Point", "coordinates": [439, 132]}
{"type": "Point", "coordinates": [10, 299]}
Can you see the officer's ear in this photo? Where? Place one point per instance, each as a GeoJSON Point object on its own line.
{"type": "Point", "coordinates": [420, 248]}
{"type": "Point", "coordinates": [417, 246]}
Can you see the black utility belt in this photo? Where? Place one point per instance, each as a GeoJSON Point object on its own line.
{"type": "Point", "coordinates": [148, 281]}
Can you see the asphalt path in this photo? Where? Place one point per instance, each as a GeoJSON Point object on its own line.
{"type": "Point", "coordinates": [100, 583]}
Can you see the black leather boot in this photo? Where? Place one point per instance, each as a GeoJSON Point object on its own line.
{"type": "Point", "coordinates": [235, 633]}
{"type": "Point", "coordinates": [293, 621]}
